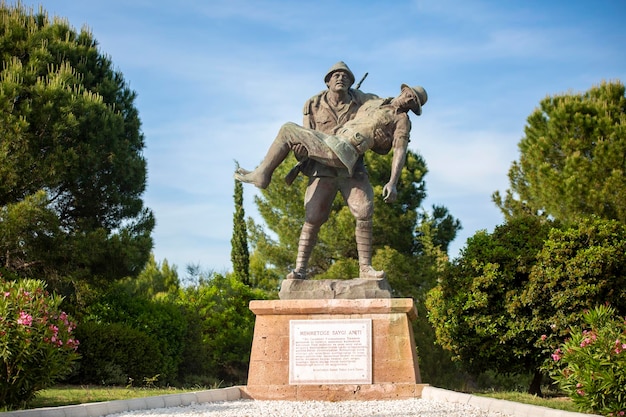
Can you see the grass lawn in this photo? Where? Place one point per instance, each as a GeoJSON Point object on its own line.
{"type": "Point", "coordinates": [558, 402]}
{"type": "Point", "coordinates": [80, 394]}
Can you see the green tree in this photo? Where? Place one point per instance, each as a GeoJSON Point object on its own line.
{"type": "Point", "coordinates": [69, 128]}
{"type": "Point", "coordinates": [157, 280]}
{"type": "Point", "coordinates": [578, 268]}
{"type": "Point", "coordinates": [572, 158]}
{"type": "Point", "coordinates": [475, 308]}
{"type": "Point", "coordinates": [217, 308]}
{"type": "Point", "coordinates": [239, 254]}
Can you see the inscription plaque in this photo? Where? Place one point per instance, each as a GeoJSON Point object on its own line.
{"type": "Point", "coordinates": [330, 351]}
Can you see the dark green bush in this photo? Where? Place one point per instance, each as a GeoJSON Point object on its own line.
{"type": "Point", "coordinates": [223, 325]}
{"type": "Point", "coordinates": [116, 354]}
{"type": "Point", "coordinates": [161, 320]}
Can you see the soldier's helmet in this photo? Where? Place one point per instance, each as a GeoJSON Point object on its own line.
{"type": "Point", "coordinates": [419, 94]}
{"type": "Point", "coordinates": [339, 66]}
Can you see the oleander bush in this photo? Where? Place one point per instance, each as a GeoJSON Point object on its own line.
{"type": "Point", "coordinates": [37, 344]}
{"type": "Point", "coordinates": [590, 367]}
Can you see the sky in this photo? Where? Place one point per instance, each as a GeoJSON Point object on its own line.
{"type": "Point", "coordinates": [215, 80]}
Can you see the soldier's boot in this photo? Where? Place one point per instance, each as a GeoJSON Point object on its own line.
{"type": "Point", "coordinates": [261, 176]}
{"type": "Point", "coordinates": [308, 238]}
{"type": "Point", "coordinates": [364, 248]}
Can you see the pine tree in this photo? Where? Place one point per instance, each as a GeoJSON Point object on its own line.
{"type": "Point", "coordinates": [572, 158]}
{"type": "Point", "coordinates": [71, 148]}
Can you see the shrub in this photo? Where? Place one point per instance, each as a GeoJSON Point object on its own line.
{"type": "Point", "coordinates": [218, 311]}
{"type": "Point", "coordinates": [159, 319]}
{"type": "Point", "coordinates": [37, 346]}
{"type": "Point", "coordinates": [590, 366]}
{"type": "Point", "coordinates": [116, 354]}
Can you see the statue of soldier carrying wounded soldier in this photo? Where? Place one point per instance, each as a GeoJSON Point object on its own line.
{"type": "Point", "coordinates": [379, 125]}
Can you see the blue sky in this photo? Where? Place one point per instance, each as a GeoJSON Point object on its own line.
{"type": "Point", "coordinates": [216, 78]}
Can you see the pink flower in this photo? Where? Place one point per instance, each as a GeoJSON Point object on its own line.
{"type": "Point", "coordinates": [6, 294]}
{"type": "Point", "coordinates": [72, 343]}
{"type": "Point", "coordinates": [556, 356]}
{"type": "Point", "coordinates": [543, 337]}
{"type": "Point", "coordinates": [580, 392]}
{"type": "Point", "coordinates": [25, 319]}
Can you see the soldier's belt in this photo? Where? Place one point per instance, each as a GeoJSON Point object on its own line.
{"type": "Point", "coordinates": [360, 142]}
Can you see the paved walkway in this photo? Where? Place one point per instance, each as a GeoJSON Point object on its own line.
{"type": "Point", "coordinates": [234, 393]}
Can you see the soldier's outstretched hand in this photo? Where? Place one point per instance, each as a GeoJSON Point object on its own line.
{"type": "Point", "coordinates": [390, 193]}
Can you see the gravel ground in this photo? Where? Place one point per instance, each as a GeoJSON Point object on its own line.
{"type": "Point", "coordinates": [250, 408]}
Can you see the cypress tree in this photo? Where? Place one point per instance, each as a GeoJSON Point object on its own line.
{"type": "Point", "coordinates": [239, 254]}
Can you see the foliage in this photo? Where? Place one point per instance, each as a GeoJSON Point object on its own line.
{"type": "Point", "coordinates": [395, 223]}
{"type": "Point", "coordinates": [577, 269]}
{"type": "Point", "coordinates": [116, 354]}
{"type": "Point", "coordinates": [572, 158]}
{"type": "Point", "coordinates": [37, 346]}
{"type": "Point", "coordinates": [155, 281]}
{"type": "Point", "coordinates": [25, 226]}
{"type": "Point", "coordinates": [474, 307]}
{"type": "Point", "coordinates": [412, 277]}
{"type": "Point", "coordinates": [68, 126]}
{"type": "Point", "coordinates": [590, 366]}
{"type": "Point", "coordinates": [161, 320]}
{"type": "Point", "coordinates": [218, 309]}
{"type": "Point", "coordinates": [239, 253]}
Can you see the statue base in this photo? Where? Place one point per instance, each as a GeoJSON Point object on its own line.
{"type": "Point", "coordinates": [334, 289]}
{"type": "Point", "coordinates": [394, 367]}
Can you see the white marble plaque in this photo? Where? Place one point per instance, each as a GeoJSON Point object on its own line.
{"type": "Point", "coordinates": [330, 351]}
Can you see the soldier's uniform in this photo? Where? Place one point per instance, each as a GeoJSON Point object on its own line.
{"type": "Point", "coordinates": [377, 125]}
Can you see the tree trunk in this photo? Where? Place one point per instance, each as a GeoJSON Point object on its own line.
{"type": "Point", "coordinates": [535, 384]}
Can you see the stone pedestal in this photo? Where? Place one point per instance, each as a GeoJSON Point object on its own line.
{"type": "Point", "coordinates": [395, 370]}
{"type": "Point", "coordinates": [358, 288]}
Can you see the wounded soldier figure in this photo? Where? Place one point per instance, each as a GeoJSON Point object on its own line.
{"type": "Point", "coordinates": [380, 124]}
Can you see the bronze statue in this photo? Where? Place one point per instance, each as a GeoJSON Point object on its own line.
{"type": "Point", "coordinates": [379, 124]}
{"type": "Point", "coordinates": [325, 112]}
